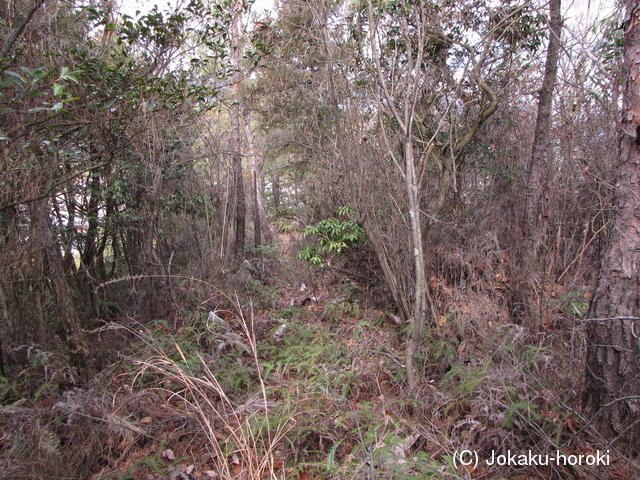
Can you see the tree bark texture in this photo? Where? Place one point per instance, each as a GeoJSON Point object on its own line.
{"type": "Point", "coordinates": [612, 390]}
{"type": "Point", "coordinates": [540, 150]}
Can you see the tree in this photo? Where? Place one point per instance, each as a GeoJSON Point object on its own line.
{"type": "Point", "coordinates": [612, 389]}
{"type": "Point", "coordinates": [15, 34]}
{"type": "Point", "coordinates": [396, 93]}
{"type": "Point", "coordinates": [89, 194]}
{"type": "Point", "coordinates": [292, 112]}
{"type": "Point", "coordinates": [236, 136]}
{"type": "Point", "coordinates": [540, 149]}
{"type": "Point", "coordinates": [405, 116]}
{"type": "Point", "coordinates": [261, 229]}
{"type": "Point", "coordinates": [436, 74]}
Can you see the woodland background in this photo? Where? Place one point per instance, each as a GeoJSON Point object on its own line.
{"type": "Point", "coordinates": [337, 239]}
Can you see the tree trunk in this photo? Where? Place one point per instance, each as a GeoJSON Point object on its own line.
{"type": "Point", "coordinates": [260, 223]}
{"type": "Point", "coordinates": [13, 37]}
{"type": "Point", "coordinates": [2, 370]}
{"type": "Point", "coordinates": [612, 390]}
{"type": "Point", "coordinates": [74, 335]}
{"type": "Point", "coordinates": [238, 180]}
{"type": "Point", "coordinates": [152, 290]}
{"type": "Point", "coordinates": [4, 327]}
{"type": "Point", "coordinates": [275, 189]}
{"type": "Point", "coordinates": [86, 280]}
{"type": "Point", "coordinates": [404, 114]}
{"type": "Point", "coordinates": [540, 150]}
{"type": "Point", "coordinates": [420, 300]}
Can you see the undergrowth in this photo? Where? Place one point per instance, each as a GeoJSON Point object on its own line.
{"type": "Point", "coordinates": [300, 392]}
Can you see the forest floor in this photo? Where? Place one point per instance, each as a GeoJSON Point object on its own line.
{"type": "Point", "coordinates": [298, 373]}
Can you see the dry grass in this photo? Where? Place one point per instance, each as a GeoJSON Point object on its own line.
{"type": "Point", "coordinates": [245, 440]}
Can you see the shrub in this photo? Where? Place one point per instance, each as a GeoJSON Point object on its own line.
{"type": "Point", "coordinates": [334, 236]}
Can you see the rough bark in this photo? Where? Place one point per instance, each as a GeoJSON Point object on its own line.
{"type": "Point", "coordinates": [612, 393]}
{"type": "Point", "coordinates": [540, 150]}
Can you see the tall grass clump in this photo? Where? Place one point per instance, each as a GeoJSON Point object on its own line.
{"type": "Point", "coordinates": [245, 433]}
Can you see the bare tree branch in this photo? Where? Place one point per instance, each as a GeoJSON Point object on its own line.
{"type": "Point", "coordinates": [16, 33]}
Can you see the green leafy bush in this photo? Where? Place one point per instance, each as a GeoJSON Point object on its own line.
{"type": "Point", "coordinates": [334, 236]}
